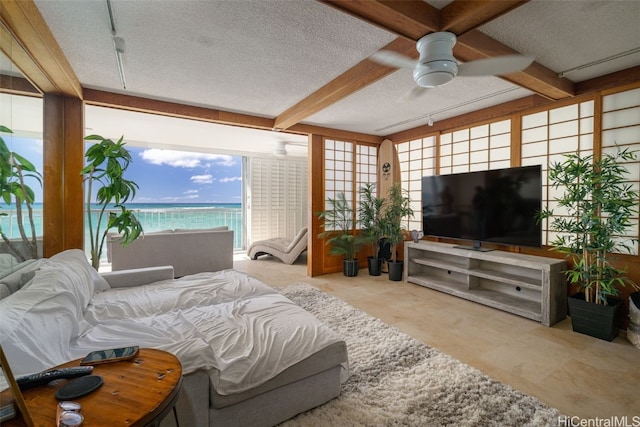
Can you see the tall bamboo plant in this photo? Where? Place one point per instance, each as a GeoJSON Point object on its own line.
{"type": "Point", "coordinates": [398, 206]}
{"type": "Point", "coordinates": [339, 228]}
{"type": "Point", "coordinates": [13, 170]}
{"type": "Point", "coordinates": [106, 163]}
{"type": "Point", "coordinates": [600, 207]}
{"type": "Point", "coordinates": [370, 217]}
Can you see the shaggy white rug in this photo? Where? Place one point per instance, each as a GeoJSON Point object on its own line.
{"type": "Point", "coordinates": [397, 380]}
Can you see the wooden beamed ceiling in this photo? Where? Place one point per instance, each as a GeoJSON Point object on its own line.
{"type": "Point", "coordinates": [27, 40]}
{"type": "Point", "coordinates": [40, 58]}
{"type": "Point", "coordinates": [412, 19]}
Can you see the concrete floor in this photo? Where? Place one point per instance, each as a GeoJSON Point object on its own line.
{"type": "Point", "coordinates": [580, 375]}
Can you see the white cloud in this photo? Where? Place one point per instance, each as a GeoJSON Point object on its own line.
{"type": "Point", "coordinates": [202, 179]}
{"type": "Point", "coordinates": [174, 199]}
{"type": "Point", "coordinates": [183, 159]}
{"type": "Point", "coordinates": [231, 179]}
{"type": "Point", "coordinates": [191, 192]}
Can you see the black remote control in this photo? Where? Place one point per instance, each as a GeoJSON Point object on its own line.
{"type": "Point", "coordinates": [45, 377]}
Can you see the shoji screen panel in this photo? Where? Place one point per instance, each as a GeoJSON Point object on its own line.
{"type": "Point", "coordinates": [366, 167]}
{"type": "Point", "coordinates": [339, 170]}
{"type": "Point", "coordinates": [417, 159]}
{"type": "Point", "coordinates": [621, 128]}
{"type": "Point", "coordinates": [477, 148]}
{"type": "Point", "coordinates": [277, 197]}
{"type": "Point", "coordinates": [547, 136]}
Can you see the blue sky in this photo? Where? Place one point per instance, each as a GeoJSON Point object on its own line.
{"type": "Point", "coordinates": [167, 176]}
{"type": "Point", "coordinates": [164, 176]}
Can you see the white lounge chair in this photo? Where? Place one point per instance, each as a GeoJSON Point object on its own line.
{"type": "Point", "coordinates": [285, 250]}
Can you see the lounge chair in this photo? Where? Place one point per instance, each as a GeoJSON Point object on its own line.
{"type": "Point", "coordinates": [285, 250]}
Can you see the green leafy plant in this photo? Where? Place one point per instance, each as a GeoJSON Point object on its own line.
{"type": "Point", "coordinates": [106, 163]}
{"type": "Point", "coordinates": [599, 206]}
{"type": "Point", "coordinates": [13, 170]}
{"type": "Point", "coordinates": [370, 217]}
{"type": "Point", "coordinates": [339, 228]}
{"type": "Point", "coordinates": [398, 206]}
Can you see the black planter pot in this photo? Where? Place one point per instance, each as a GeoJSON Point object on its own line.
{"type": "Point", "coordinates": [350, 267]}
{"type": "Point", "coordinates": [375, 266]}
{"type": "Point", "coordinates": [395, 270]}
{"type": "Point", "coordinates": [596, 320]}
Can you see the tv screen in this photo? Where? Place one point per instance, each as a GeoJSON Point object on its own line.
{"type": "Point", "coordinates": [496, 206]}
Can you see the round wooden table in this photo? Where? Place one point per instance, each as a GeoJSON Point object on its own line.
{"type": "Point", "coordinates": [137, 392]}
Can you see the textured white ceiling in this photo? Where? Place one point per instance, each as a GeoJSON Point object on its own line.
{"type": "Point", "coordinates": [260, 57]}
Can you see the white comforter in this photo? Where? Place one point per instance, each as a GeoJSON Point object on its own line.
{"type": "Point", "coordinates": [225, 320]}
{"type": "Point", "coordinates": [239, 329]}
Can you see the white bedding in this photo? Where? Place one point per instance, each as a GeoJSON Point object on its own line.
{"type": "Point", "coordinates": [225, 320]}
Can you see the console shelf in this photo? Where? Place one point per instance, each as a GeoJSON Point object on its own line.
{"type": "Point", "coordinates": [529, 286]}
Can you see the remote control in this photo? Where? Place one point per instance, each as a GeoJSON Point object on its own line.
{"type": "Point", "coordinates": [45, 377]}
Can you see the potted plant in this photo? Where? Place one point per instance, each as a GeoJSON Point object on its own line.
{"type": "Point", "coordinates": [13, 170]}
{"type": "Point", "coordinates": [339, 230]}
{"type": "Point", "coordinates": [599, 208]}
{"type": "Point", "coordinates": [107, 162]}
{"type": "Point", "coordinates": [370, 219]}
{"type": "Point", "coordinates": [398, 206]}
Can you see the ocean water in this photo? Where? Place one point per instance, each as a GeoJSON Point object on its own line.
{"type": "Point", "coordinates": [153, 217]}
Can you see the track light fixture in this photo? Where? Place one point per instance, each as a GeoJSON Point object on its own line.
{"type": "Point", "coordinates": [118, 43]}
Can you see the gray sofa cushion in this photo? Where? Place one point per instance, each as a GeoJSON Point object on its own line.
{"type": "Point", "coordinates": [21, 275]}
{"type": "Point", "coordinates": [4, 291]}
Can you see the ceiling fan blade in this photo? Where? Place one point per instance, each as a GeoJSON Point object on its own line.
{"type": "Point", "coordinates": [414, 94]}
{"type": "Point", "coordinates": [393, 59]}
{"type": "Point", "coordinates": [495, 66]}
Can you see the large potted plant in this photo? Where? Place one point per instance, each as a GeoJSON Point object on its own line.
{"type": "Point", "coordinates": [340, 233]}
{"type": "Point", "coordinates": [106, 163]}
{"type": "Point", "coordinates": [398, 206]}
{"type": "Point", "coordinates": [14, 169]}
{"type": "Point", "coordinates": [598, 207]}
{"type": "Point", "coordinates": [370, 218]}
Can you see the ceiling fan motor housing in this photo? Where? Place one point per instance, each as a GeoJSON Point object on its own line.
{"type": "Point", "coordinates": [437, 65]}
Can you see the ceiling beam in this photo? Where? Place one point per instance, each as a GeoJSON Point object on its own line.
{"type": "Point", "coordinates": [459, 17]}
{"type": "Point", "coordinates": [28, 41]}
{"type": "Point", "coordinates": [183, 111]}
{"type": "Point", "coordinates": [474, 45]}
{"type": "Point", "coordinates": [354, 79]}
{"type": "Point", "coordinates": [412, 19]}
{"type": "Point", "coordinates": [17, 86]}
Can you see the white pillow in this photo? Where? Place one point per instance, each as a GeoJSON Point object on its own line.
{"type": "Point", "coordinates": [99, 282]}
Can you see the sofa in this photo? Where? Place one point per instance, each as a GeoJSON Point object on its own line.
{"type": "Point", "coordinates": [250, 357]}
{"type": "Point", "coordinates": [190, 251]}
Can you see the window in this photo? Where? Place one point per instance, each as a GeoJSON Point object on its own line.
{"type": "Point", "coordinates": [547, 136]}
{"type": "Point", "coordinates": [621, 128]}
{"type": "Point", "coordinates": [417, 158]}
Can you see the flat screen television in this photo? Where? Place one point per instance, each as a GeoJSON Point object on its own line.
{"type": "Point", "coordinates": [496, 206]}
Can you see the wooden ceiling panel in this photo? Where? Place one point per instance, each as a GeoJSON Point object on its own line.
{"type": "Point", "coordinates": [412, 20]}
{"type": "Point", "coordinates": [359, 76]}
{"type": "Point", "coordinates": [459, 17]}
{"type": "Point", "coordinates": [38, 55]}
{"type": "Point", "coordinates": [474, 45]}
{"type": "Point", "coordinates": [407, 18]}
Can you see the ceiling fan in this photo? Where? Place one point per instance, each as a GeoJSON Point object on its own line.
{"type": "Point", "coordinates": [437, 65]}
{"type": "Point", "coordinates": [281, 148]}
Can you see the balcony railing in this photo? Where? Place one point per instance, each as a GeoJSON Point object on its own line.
{"type": "Point", "coordinates": [152, 219]}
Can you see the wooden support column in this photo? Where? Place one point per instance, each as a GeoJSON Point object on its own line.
{"type": "Point", "coordinates": [516, 140]}
{"type": "Point", "coordinates": [63, 157]}
{"type": "Point", "coordinates": [315, 247]}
